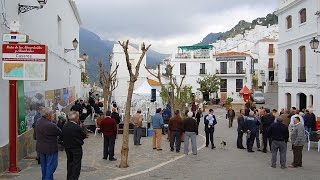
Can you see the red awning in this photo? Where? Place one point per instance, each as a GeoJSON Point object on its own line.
{"type": "Point", "coordinates": [245, 90]}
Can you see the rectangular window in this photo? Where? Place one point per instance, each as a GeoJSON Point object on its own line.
{"type": "Point", "coordinates": [183, 68]}
{"type": "Point", "coordinates": [303, 15]}
{"type": "Point", "coordinates": [239, 85]}
{"type": "Point", "coordinates": [271, 49]}
{"type": "Point", "coordinates": [270, 64]}
{"type": "Point", "coordinates": [239, 68]}
{"type": "Point", "coordinates": [202, 68]}
{"type": "Point", "coordinates": [59, 31]}
{"type": "Point", "coordinates": [223, 85]}
{"type": "Point", "coordinates": [223, 67]}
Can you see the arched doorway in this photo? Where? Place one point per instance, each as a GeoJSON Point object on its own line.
{"type": "Point", "coordinates": [302, 101]}
{"type": "Point", "coordinates": [288, 99]}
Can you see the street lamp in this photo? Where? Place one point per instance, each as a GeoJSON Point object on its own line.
{"type": "Point", "coordinates": [74, 44]}
{"type": "Point", "coordinates": [84, 58]}
{"type": "Point", "coordinates": [314, 44]}
{"type": "Point", "coordinates": [25, 8]}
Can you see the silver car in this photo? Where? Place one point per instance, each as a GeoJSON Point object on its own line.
{"type": "Point", "coordinates": [258, 97]}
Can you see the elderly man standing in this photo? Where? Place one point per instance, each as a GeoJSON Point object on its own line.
{"type": "Point", "coordinates": [157, 123]}
{"type": "Point", "coordinates": [190, 127]}
{"type": "Point", "coordinates": [297, 140]}
{"type": "Point", "coordinates": [47, 143]}
{"type": "Point", "coordinates": [73, 136]}
{"type": "Point", "coordinates": [109, 129]}
{"type": "Point", "coordinates": [279, 134]}
{"type": "Point", "coordinates": [136, 120]}
{"type": "Point", "coordinates": [176, 128]}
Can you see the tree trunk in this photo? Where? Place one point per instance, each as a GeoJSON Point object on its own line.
{"type": "Point", "coordinates": [106, 98]}
{"type": "Point", "coordinates": [125, 140]}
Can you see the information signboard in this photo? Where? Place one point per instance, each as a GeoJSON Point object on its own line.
{"type": "Point", "coordinates": [24, 62]}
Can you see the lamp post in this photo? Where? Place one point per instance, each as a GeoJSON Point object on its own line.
{"type": "Point", "coordinates": [314, 44]}
{"type": "Point", "coordinates": [74, 44]}
{"type": "Point", "coordinates": [84, 58]}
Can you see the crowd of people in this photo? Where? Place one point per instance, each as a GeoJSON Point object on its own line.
{"type": "Point", "coordinates": [277, 129]}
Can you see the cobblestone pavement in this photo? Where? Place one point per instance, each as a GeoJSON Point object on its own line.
{"type": "Point", "coordinates": [141, 158]}
{"type": "Point", "coordinates": [234, 164]}
{"type": "Point", "coordinates": [145, 163]}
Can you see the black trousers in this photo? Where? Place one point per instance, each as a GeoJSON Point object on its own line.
{"type": "Point", "coordinates": [209, 136]}
{"type": "Point", "coordinates": [108, 146]}
{"type": "Point", "coordinates": [175, 137]}
{"type": "Point", "coordinates": [74, 157]}
{"type": "Point", "coordinates": [250, 141]}
{"type": "Point", "coordinates": [265, 140]}
{"type": "Point", "coordinates": [297, 155]}
{"type": "Point", "coordinates": [240, 139]}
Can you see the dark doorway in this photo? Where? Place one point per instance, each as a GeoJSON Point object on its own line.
{"type": "Point", "coordinates": [271, 75]}
{"type": "Point", "coordinates": [302, 101]}
{"type": "Point", "coordinates": [206, 97]}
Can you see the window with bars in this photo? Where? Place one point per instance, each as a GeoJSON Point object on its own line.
{"type": "Point", "coordinates": [223, 67]}
{"type": "Point", "coordinates": [183, 68]}
{"type": "Point", "coordinates": [202, 68]}
{"type": "Point", "coordinates": [271, 49]}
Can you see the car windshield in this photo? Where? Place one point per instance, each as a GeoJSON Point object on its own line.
{"type": "Point", "coordinates": [258, 95]}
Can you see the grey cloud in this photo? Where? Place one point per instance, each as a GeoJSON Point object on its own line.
{"type": "Point", "coordinates": [156, 19]}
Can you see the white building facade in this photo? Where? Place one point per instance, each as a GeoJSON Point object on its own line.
{"type": "Point", "coordinates": [299, 78]}
{"type": "Point", "coordinates": [235, 71]}
{"type": "Point", "coordinates": [55, 25]}
{"type": "Point", "coordinates": [120, 93]}
{"type": "Point", "coordinates": [193, 62]}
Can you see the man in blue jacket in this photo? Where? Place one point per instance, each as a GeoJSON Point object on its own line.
{"type": "Point", "coordinates": [157, 124]}
{"type": "Point", "coordinates": [250, 126]}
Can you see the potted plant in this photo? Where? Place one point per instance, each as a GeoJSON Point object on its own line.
{"type": "Point", "coordinates": [228, 102]}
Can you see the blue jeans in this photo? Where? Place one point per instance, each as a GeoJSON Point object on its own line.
{"type": "Point", "coordinates": [49, 164]}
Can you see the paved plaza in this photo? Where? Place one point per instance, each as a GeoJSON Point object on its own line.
{"type": "Point", "coordinates": [145, 163]}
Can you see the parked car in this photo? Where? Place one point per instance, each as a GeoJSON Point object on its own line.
{"type": "Point", "coordinates": [258, 97]}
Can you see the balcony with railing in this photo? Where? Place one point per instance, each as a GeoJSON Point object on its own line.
{"type": "Point", "coordinates": [240, 71]}
{"type": "Point", "coordinates": [201, 55]}
{"type": "Point", "coordinates": [203, 72]}
{"type": "Point", "coordinates": [302, 74]}
{"type": "Point", "coordinates": [288, 75]}
{"type": "Point", "coordinates": [183, 56]}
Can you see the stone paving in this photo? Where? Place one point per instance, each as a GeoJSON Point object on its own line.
{"type": "Point", "coordinates": [225, 164]}
{"type": "Point", "coordinates": [94, 167]}
{"type": "Point", "coordinates": [233, 163]}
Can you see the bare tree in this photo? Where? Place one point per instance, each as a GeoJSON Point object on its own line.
{"type": "Point", "coordinates": [108, 81]}
{"type": "Point", "coordinates": [171, 87]}
{"type": "Point", "coordinates": [133, 78]}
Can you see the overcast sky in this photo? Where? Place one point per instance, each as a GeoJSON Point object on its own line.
{"type": "Point", "coordinates": [167, 24]}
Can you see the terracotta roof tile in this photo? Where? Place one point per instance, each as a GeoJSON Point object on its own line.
{"type": "Point", "coordinates": [232, 53]}
{"type": "Point", "coordinates": [153, 82]}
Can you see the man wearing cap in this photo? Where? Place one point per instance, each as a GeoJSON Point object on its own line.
{"type": "Point", "coordinates": [250, 126]}
{"type": "Point", "coordinates": [279, 134]}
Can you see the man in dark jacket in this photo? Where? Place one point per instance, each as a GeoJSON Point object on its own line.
{"type": "Point", "coordinates": [279, 134]}
{"type": "Point", "coordinates": [73, 136]}
{"type": "Point", "coordinates": [176, 129]}
{"type": "Point", "coordinates": [109, 129]}
{"type": "Point", "coordinates": [250, 126]}
{"type": "Point", "coordinates": [266, 122]}
{"type": "Point", "coordinates": [47, 143]}
{"type": "Point", "coordinates": [240, 129]}
{"type": "Point", "coordinates": [231, 114]}
{"type": "Point", "coordinates": [308, 121]}
{"type": "Point", "coordinates": [77, 107]}
{"type": "Point", "coordinates": [209, 128]}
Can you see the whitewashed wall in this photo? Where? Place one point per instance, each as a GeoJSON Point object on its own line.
{"type": "Point", "coordinates": [42, 27]}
